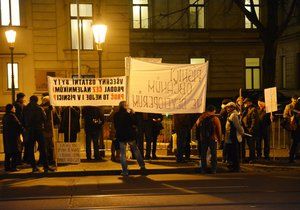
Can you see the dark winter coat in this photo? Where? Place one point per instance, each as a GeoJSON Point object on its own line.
{"type": "Point", "coordinates": [124, 125]}
{"type": "Point", "coordinates": [12, 129]}
{"type": "Point", "coordinates": [50, 121]}
{"type": "Point", "coordinates": [75, 117]}
{"type": "Point", "coordinates": [93, 118]}
{"type": "Point", "coordinates": [19, 111]}
{"type": "Point", "coordinates": [34, 117]}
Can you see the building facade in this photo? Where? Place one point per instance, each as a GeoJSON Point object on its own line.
{"type": "Point", "coordinates": [178, 31]}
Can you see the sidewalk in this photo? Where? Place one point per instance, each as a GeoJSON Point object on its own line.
{"type": "Point", "coordinates": [164, 165]}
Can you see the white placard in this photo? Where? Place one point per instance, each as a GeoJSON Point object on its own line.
{"type": "Point", "coordinates": [271, 99]}
{"type": "Point", "coordinates": [106, 91]}
{"type": "Point", "coordinates": [167, 88]}
{"type": "Point", "coordinates": [127, 62]}
{"type": "Point", "coordinates": [68, 152]}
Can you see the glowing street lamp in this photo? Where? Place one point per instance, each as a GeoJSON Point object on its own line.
{"type": "Point", "coordinates": [99, 32]}
{"type": "Point", "coordinates": [11, 38]}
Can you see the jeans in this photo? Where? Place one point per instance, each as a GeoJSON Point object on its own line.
{"type": "Point", "coordinates": [136, 152]}
{"type": "Point", "coordinates": [183, 144]}
{"type": "Point", "coordinates": [36, 135]}
{"type": "Point", "coordinates": [205, 144]}
{"type": "Point", "coordinates": [89, 137]}
{"type": "Point", "coordinates": [264, 135]}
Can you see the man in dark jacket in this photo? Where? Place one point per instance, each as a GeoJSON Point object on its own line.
{"type": "Point", "coordinates": [295, 122]}
{"type": "Point", "coordinates": [74, 125]}
{"type": "Point", "coordinates": [12, 130]}
{"type": "Point", "coordinates": [35, 119]}
{"type": "Point", "coordinates": [93, 122]}
{"type": "Point", "coordinates": [263, 130]}
{"type": "Point", "coordinates": [153, 126]}
{"type": "Point", "coordinates": [125, 131]}
{"type": "Point", "coordinates": [250, 123]}
{"type": "Point", "coordinates": [19, 106]}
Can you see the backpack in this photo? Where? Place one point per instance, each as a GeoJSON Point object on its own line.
{"type": "Point", "coordinates": [207, 128]}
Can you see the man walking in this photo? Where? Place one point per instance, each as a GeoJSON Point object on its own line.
{"type": "Point", "coordinates": [210, 135]}
{"type": "Point", "coordinates": [125, 133]}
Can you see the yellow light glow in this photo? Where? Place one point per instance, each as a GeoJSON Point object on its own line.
{"type": "Point", "coordinates": [99, 32]}
{"type": "Point", "coordinates": [10, 36]}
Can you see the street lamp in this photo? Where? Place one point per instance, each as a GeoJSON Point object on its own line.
{"type": "Point", "coordinates": [99, 32]}
{"type": "Point", "coordinates": [11, 38]}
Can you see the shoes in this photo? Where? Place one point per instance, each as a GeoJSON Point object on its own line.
{"type": "Point", "coordinates": [147, 158]}
{"type": "Point", "coordinates": [49, 169]}
{"type": "Point", "coordinates": [143, 170]}
{"type": "Point", "coordinates": [14, 169]}
{"type": "Point", "coordinates": [154, 157]}
{"type": "Point", "coordinates": [267, 158]}
{"type": "Point", "coordinates": [34, 170]}
{"type": "Point", "coordinates": [124, 173]}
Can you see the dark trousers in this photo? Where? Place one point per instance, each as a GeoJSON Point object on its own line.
{"type": "Point", "coordinates": [233, 155]}
{"type": "Point", "coordinates": [205, 144]}
{"type": "Point", "coordinates": [36, 135]}
{"type": "Point", "coordinates": [140, 140]}
{"type": "Point", "coordinates": [73, 136]}
{"type": "Point", "coordinates": [151, 141]}
{"type": "Point", "coordinates": [10, 161]}
{"type": "Point", "coordinates": [293, 149]}
{"type": "Point", "coordinates": [183, 144]}
{"type": "Point", "coordinates": [92, 136]}
{"type": "Point", "coordinates": [264, 135]}
{"type": "Point", "coordinates": [26, 148]}
{"type": "Point", "coordinates": [49, 148]}
{"type": "Point", "coordinates": [251, 146]}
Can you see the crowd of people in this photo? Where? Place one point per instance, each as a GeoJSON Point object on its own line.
{"type": "Point", "coordinates": [241, 122]}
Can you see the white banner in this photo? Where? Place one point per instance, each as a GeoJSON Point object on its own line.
{"type": "Point", "coordinates": [106, 91]}
{"type": "Point", "coordinates": [167, 88]}
{"type": "Point", "coordinates": [271, 99]}
{"type": "Point", "coordinates": [127, 62]}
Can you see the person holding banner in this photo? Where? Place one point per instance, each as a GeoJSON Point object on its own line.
{"type": "Point", "coordinates": [125, 133]}
{"type": "Point", "coordinates": [264, 124]}
{"type": "Point", "coordinates": [70, 122]}
{"type": "Point", "coordinates": [35, 119]}
{"type": "Point", "coordinates": [250, 123]}
{"type": "Point", "coordinates": [295, 124]}
{"type": "Point", "coordinates": [233, 137]}
{"type": "Point", "coordinates": [93, 123]}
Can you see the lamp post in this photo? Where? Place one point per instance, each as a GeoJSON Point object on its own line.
{"type": "Point", "coordinates": [11, 38]}
{"type": "Point", "coordinates": [99, 31]}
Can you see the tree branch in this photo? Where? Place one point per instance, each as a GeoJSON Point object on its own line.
{"type": "Point", "coordinates": [288, 18]}
{"type": "Point", "coordinates": [250, 15]}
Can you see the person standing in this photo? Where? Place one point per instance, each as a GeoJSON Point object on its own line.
{"type": "Point", "coordinates": [152, 129]}
{"type": "Point", "coordinates": [210, 135]}
{"type": "Point", "coordinates": [182, 126]}
{"type": "Point", "coordinates": [93, 123]}
{"type": "Point", "coordinates": [124, 125]}
{"type": "Point", "coordinates": [250, 123]}
{"type": "Point", "coordinates": [263, 130]}
{"type": "Point", "coordinates": [73, 126]}
{"type": "Point", "coordinates": [35, 120]}
{"type": "Point", "coordinates": [295, 122]}
{"type": "Point", "coordinates": [233, 136]}
{"type": "Point", "coordinates": [52, 119]}
{"type": "Point", "coordinates": [12, 129]}
{"type": "Point", "coordinates": [19, 106]}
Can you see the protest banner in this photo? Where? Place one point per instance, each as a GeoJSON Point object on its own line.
{"type": "Point", "coordinates": [127, 62]}
{"type": "Point", "coordinates": [68, 152]}
{"type": "Point", "coordinates": [167, 88]}
{"type": "Point", "coordinates": [271, 99]}
{"type": "Point", "coordinates": [107, 91]}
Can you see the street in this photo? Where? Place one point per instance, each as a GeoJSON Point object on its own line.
{"type": "Point", "coordinates": [259, 190]}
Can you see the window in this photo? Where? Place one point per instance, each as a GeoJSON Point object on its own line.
{"type": "Point", "coordinates": [85, 26]}
{"type": "Point", "coordinates": [140, 14]}
{"type": "Point", "coordinates": [248, 23]}
{"type": "Point", "coordinates": [196, 14]}
{"type": "Point", "coordinates": [197, 60]}
{"type": "Point", "coordinates": [252, 73]}
{"type": "Point", "coordinates": [16, 75]}
{"type": "Point", "coordinates": [10, 12]}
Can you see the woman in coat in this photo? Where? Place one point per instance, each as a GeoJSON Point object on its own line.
{"type": "Point", "coordinates": [12, 130]}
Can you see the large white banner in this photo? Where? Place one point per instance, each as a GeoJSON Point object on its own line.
{"type": "Point", "coordinates": [167, 88]}
{"type": "Point", "coordinates": [106, 91]}
{"type": "Point", "coordinates": [271, 99]}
